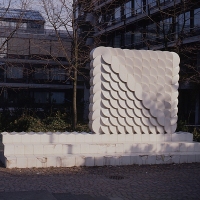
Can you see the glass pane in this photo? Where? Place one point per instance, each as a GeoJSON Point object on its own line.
{"type": "Point", "coordinates": [138, 6]}
{"type": "Point", "coordinates": [118, 13]}
{"type": "Point", "coordinates": [151, 3]}
{"type": "Point", "coordinates": [166, 24]}
{"type": "Point", "coordinates": [151, 31]}
{"type": "Point", "coordinates": [197, 17]}
{"type": "Point", "coordinates": [161, 1]}
{"type": "Point", "coordinates": [128, 9]}
{"type": "Point", "coordinates": [41, 97]}
{"type": "Point", "coordinates": [23, 25]}
{"type": "Point", "coordinates": [117, 41]}
{"type": "Point", "coordinates": [76, 13]}
{"type": "Point", "coordinates": [57, 74]}
{"type": "Point", "coordinates": [15, 72]}
{"type": "Point", "coordinates": [3, 47]}
{"type": "Point", "coordinates": [13, 24]}
{"type": "Point", "coordinates": [137, 37]}
{"type": "Point", "coordinates": [183, 22]}
{"type": "Point", "coordinates": [127, 39]}
{"type": "Point", "coordinates": [4, 23]}
{"type": "Point", "coordinates": [57, 97]}
{"type": "Point", "coordinates": [41, 73]}
{"type": "Point", "coordinates": [100, 20]}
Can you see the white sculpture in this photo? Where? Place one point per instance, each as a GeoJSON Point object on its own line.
{"type": "Point", "coordinates": [133, 91]}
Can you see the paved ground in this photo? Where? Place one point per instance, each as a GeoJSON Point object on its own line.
{"type": "Point", "coordinates": [102, 183]}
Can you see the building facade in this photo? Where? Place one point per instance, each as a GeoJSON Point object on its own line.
{"type": "Point", "coordinates": [172, 25]}
{"type": "Point", "coordinates": [34, 69]}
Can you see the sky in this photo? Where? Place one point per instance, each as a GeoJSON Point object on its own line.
{"type": "Point", "coordinates": [33, 5]}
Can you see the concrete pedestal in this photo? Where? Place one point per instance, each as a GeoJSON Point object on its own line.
{"type": "Point", "coordinates": [26, 150]}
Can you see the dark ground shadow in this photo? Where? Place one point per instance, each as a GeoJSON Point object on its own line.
{"type": "Point", "coordinates": [68, 196]}
{"type": "Point", "coordinates": [27, 195]}
{"type": "Point", "coordinates": [2, 165]}
{"type": "Point", "coordinates": [45, 195]}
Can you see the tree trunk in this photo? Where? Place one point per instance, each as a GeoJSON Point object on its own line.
{"type": "Point", "coordinates": [75, 65]}
{"type": "Point", "coordinates": [74, 123]}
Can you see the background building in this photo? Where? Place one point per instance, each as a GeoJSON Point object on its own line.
{"type": "Point", "coordinates": [34, 71]}
{"type": "Point", "coordinates": [172, 25]}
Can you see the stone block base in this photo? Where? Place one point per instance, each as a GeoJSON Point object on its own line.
{"type": "Point", "coordinates": [48, 150]}
{"type": "Point", "coordinates": [38, 161]}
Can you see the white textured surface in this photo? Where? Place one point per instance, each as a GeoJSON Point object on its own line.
{"type": "Point", "coordinates": [133, 91]}
{"type": "Point", "coordinates": [84, 149]}
{"type": "Point", "coordinates": [99, 159]}
{"type": "Point", "coordinates": [74, 137]}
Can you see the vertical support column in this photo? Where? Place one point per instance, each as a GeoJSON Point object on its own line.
{"type": "Point", "coordinates": [86, 103]}
{"type": "Point", "coordinates": [5, 93]}
{"type": "Point", "coordinates": [197, 108]}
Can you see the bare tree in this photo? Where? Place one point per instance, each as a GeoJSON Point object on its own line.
{"type": "Point", "coordinates": [72, 18]}
{"type": "Point", "coordinates": [171, 26]}
{"type": "Point", "coordinates": [8, 29]}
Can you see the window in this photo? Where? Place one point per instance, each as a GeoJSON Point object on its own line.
{"type": "Point", "coordinates": [41, 73]}
{"type": "Point", "coordinates": [3, 47]}
{"type": "Point", "coordinates": [100, 2]}
{"type": "Point", "coordinates": [161, 1]}
{"type": "Point", "coordinates": [165, 26]}
{"type": "Point", "coordinates": [151, 3]}
{"type": "Point", "coordinates": [35, 25]}
{"type": "Point", "coordinates": [76, 12]}
{"type": "Point", "coordinates": [117, 41]}
{"type": "Point", "coordinates": [13, 24]}
{"type": "Point", "coordinates": [4, 23]}
{"type": "Point", "coordinates": [57, 97]}
{"type": "Point", "coordinates": [183, 22]}
{"type": "Point", "coordinates": [197, 18]}
{"type": "Point", "coordinates": [15, 72]}
{"type": "Point", "coordinates": [128, 39]}
{"type": "Point", "coordinates": [109, 19]}
{"type": "Point", "coordinates": [138, 6]}
{"type": "Point", "coordinates": [41, 97]}
{"type": "Point", "coordinates": [152, 31]}
{"type": "Point", "coordinates": [23, 25]}
{"type": "Point", "coordinates": [81, 11]}
{"type": "Point", "coordinates": [128, 9]}
{"type": "Point", "coordinates": [118, 14]}
{"type": "Point", "coordinates": [57, 74]}
{"type": "Point", "coordinates": [137, 37]}
{"type": "Point", "coordinates": [100, 20]}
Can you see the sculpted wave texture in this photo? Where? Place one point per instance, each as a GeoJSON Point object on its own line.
{"type": "Point", "coordinates": [133, 91]}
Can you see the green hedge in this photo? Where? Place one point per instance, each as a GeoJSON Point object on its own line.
{"type": "Point", "coordinates": [26, 120]}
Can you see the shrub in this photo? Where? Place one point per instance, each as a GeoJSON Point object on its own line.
{"type": "Point", "coordinates": [28, 120]}
{"type": "Point", "coordinates": [196, 134]}
{"type": "Point", "coordinates": [181, 126]}
{"type": "Point", "coordinates": [55, 124]}
{"type": "Point", "coordinates": [28, 123]}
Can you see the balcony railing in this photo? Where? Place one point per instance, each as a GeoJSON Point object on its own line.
{"type": "Point", "coordinates": [20, 30]}
{"type": "Point", "coordinates": [48, 32]}
{"type": "Point", "coordinates": [134, 15]}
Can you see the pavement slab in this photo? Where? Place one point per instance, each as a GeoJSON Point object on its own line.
{"type": "Point", "coordinates": [68, 196]}
{"type": "Point", "coordinates": [170, 181]}
{"type": "Point", "coordinates": [27, 195]}
{"type": "Point", "coordinates": [45, 195]}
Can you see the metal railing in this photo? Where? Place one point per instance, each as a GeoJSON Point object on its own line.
{"type": "Point", "coordinates": [33, 31]}
{"type": "Point", "coordinates": [132, 13]}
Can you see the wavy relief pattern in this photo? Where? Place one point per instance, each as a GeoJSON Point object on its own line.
{"type": "Point", "coordinates": [133, 91]}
